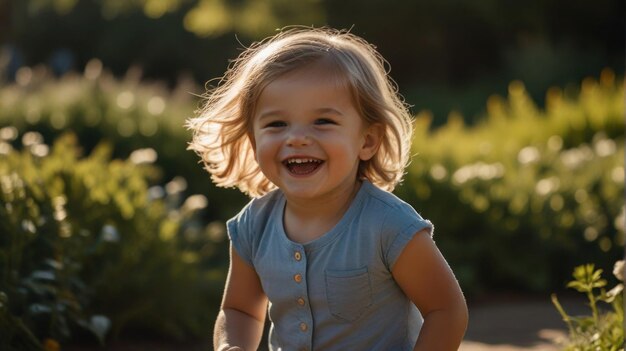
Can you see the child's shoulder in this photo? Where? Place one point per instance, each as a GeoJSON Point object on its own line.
{"type": "Point", "coordinates": [386, 199]}
{"type": "Point", "coordinates": [261, 207]}
{"type": "Point", "coordinates": [266, 202]}
{"type": "Point", "coordinates": [244, 228]}
{"type": "Point", "coordinates": [395, 214]}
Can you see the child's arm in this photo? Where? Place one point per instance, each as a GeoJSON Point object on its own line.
{"type": "Point", "coordinates": [425, 277]}
{"type": "Point", "coordinates": [239, 325]}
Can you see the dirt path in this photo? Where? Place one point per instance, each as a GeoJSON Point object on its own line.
{"type": "Point", "coordinates": [521, 324]}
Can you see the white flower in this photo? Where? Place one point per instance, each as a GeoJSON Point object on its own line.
{"type": "Point", "coordinates": [110, 234]}
{"type": "Point", "coordinates": [195, 203]}
{"type": "Point", "coordinates": [618, 270]}
{"type": "Point", "coordinates": [527, 155]}
{"type": "Point", "coordinates": [141, 156]}
{"type": "Point", "coordinates": [176, 185]}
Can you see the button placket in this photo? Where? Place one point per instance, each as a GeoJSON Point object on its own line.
{"type": "Point", "coordinates": [305, 319]}
{"type": "Point", "coordinates": [297, 256]}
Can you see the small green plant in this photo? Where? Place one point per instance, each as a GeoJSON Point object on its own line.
{"type": "Point", "coordinates": [602, 331]}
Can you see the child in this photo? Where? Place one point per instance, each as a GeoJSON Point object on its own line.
{"type": "Point", "coordinates": [309, 124]}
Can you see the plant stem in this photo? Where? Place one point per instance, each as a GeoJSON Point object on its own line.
{"type": "Point", "coordinates": [592, 304]}
{"type": "Point", "coordinates": [565, 316]}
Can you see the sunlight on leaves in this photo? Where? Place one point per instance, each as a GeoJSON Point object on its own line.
{"type": "Point", "coordinates": [208, 18]}
{"type": "Point", "coordinates": [158, 8]}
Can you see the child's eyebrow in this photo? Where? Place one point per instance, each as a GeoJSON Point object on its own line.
{"type": "Point", "coordinates": [271, 113]}
{"type": "Point", "coordinates": [320, 111]}
{"type": "Point", "coordinates": [328, 110]}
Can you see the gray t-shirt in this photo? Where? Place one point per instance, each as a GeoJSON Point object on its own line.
{"type": "Point", "coordinates": [335, 292]}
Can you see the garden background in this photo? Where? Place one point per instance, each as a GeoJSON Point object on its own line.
{"type": "Point", "coordinates": [110, 229]}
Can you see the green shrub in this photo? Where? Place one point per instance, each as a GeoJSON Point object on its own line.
{"type": "Point", "coordinates": [87, 244]}
{"type": "Point", "coordinates": [525, 190]}
{"type": "Point", "coordinates": [127, 113]}
{"type": "Point", "coordinates": [602, 331]}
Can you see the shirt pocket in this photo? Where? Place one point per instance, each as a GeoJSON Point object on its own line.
{"type": "Point", "coordinates": [349, 293]}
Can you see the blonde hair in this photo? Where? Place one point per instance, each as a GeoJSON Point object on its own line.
{"type": "Point", "coordinates": [222, 130]}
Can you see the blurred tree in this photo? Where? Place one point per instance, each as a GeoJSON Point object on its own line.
{"type": "Point", "coordinates": [205, 18]}
{"type": "Point", "coordinates": [445, 54]}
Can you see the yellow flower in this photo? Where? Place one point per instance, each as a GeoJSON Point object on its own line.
{"type": "Point", "coordinates": [51, 345]}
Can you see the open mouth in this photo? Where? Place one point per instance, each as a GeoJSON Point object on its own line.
{"type": "Point", "coordinates": [302, 166]}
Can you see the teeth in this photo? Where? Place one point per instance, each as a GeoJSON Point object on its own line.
{"type": "Point", "coordinates": [302, 160]}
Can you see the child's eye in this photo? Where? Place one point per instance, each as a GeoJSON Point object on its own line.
{"type": "Point", "coordinates": [275, 124]}
{"type": "Point", "coordinates": [324, 121]}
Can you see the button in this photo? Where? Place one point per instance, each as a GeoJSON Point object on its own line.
{"type": "Point", "coordinates": [303, 327]}
{"type": "Point", "coordinates": [301, 301]}
{"type": "Point", "coordinates": [297, 278]}
{"type": "Point", "coordinates": [297, 255]}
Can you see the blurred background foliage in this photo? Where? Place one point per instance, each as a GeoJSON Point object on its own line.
{"type": "Point", "coordinates": [444, 54]}
{"type": "Point", "coordinates": [108, 226]}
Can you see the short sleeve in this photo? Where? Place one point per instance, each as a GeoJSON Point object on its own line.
{"type": "Point", "coordinates": [239, 230]}
{"type": "Point", "coordinates": [399, 228]}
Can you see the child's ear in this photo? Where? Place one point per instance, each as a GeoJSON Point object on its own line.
{"type": "Point", "coordinates": [372, 137]}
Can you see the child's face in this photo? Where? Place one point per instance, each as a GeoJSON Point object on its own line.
{"type": "Point", "coordinates": [308, 136]}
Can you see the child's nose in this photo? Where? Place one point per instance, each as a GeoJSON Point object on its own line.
{"type": "Point", "coordinates": [298, 137]}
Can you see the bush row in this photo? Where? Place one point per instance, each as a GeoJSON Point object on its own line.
{"type": "Point", "coordinates": [518, 198]}
{"type": "Point", "coordinates": [89, 247]}
{"type": "Point", "coordinates": [128, 113]}
{"type": "Point", "coordinates": [526, 193]}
